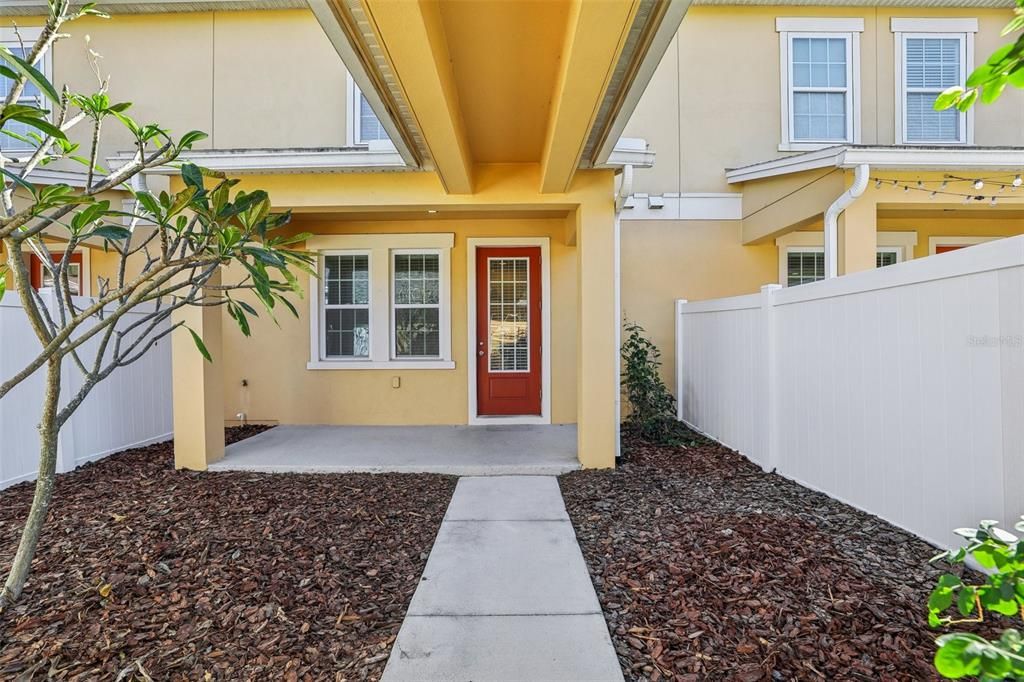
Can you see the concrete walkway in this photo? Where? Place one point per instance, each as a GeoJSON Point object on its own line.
{"type": "Point", "coordinates": [505, 594]}
{"type": "Point", "coordinates": [458, 450]}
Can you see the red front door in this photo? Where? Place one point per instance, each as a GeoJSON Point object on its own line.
{"type": "Point", "coordinates": [508, 331]}
{"type": "Point", "coordinates": [41, 278]}
{"type": "Point", "coordinates": [946, 248]}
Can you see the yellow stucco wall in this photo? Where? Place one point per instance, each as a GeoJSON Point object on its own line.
{"type": "Point", "coordinates": [665, 260]}
{"type": "Point", "coordinates": [702, 119]}
{"type": "Point", "coordinates": [273, 361]}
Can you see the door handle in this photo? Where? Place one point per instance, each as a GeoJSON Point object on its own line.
{"type": "Point", "coordinates": [480, 353]}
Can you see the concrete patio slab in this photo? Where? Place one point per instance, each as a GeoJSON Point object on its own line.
{"type": "Point", "coordinates": [490, 649]}
{"type": "Point", "coordinates": [459, 450]}
{"type": "Point", "coordinates": [505, 594]}
{"type": "Point", "coordinates": [507, 498]}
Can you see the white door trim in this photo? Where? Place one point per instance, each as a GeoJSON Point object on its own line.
{"type": "Point", "coordinates": [471, 358]}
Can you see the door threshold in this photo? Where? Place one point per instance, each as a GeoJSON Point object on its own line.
{"type": "Point", "coordinates": [509, 419]}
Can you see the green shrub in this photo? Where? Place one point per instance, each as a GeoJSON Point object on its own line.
{"type": "Point", "coordinates": [963, 654]}
{"type": "Point", "coordinates": [652, 407]}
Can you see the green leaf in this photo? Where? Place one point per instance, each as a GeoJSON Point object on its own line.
{"type": "Point", "coordinates": [949, 580]}
{"type": "Point", "coordinates": [940, 599]}
{"type": "Point", "coordinates": [190, 138]}
{"type": "Point", "coordinates": [148, 203]}
{"type": "Point", "coordinates": [111, 232]}
{"type": "Point", "coordinates": [3, 280]}
{"type": "Point", "coordinates": [1016, 24]}
{"type": "Point", "coordinates": [31, 73]}
{"type": "Point", "coordinates": [952, 661]}
{"type": "Point", "coordinates": [965, 601]}
{"type": "Point", "coordinates": [948, 97]}
{"type": "Point", "coordinates": [192, 176]}
{"type": "Point", "coordinates": [46, 127]}
{"type": "Point", "coordinates": [991, 92]}
{"type": "Point", "coordinates": [967, 101]}
{"type": "Point", "coordinates": [18, 181]}
{"type": "Point", "coordinates": [199, 344]}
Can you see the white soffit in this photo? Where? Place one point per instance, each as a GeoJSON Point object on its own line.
{"type": "Point", "coordinates": [888, 158]}
{"type": "Point", "coordinates": [242, 161]}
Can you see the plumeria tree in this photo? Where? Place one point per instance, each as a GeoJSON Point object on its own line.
{"type": "Point", "coordinates": [169, 248]}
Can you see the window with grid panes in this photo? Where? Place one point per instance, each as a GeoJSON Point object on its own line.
{"type": "Point", "coordinates": [346, 286]}
{"type": "Point", "coordinates": [416, 305]}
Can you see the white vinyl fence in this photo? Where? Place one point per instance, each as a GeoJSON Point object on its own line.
{"type": "Point", "coordinates": [131, 407]}
{"type": "Point", "coordinates": [898, 390]}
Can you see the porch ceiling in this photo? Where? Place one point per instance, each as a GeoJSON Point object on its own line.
{"type": "Point", "coordinates": [459, 84]}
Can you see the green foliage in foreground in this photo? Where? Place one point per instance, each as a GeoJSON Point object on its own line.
{"type": "Point", "coordinates": [1004, 67]}
{"type": "Point", "coordinates": [962, 654]}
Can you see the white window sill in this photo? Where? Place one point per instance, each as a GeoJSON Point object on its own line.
{"type": "Point", "coordinates": [809, 146]}
{"type": "Point", "coordinates": [935, 143]}
{"type": "Point", "coordinates": [369, 364]}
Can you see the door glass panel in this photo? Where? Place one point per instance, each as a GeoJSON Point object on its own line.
{"type": "Point", "coordinates": [508, 287]}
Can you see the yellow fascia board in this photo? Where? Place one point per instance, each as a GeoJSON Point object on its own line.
{"type": "Point", "coordinates": [499, 187]}
{"type": "Point", "coordinates": [595, 35]}
{"type": "Point", "coordinates": [413, 40]}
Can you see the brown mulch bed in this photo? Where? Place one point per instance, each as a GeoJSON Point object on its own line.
{"type": "Point", "coordinates": [709, 568]}
{"type": "Point", "coordinates": [144, 571]}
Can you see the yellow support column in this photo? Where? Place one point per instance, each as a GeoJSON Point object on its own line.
{"type": "Point", "coordinates": [597, 362]}
{"type": "Point", "coordinates": [198, 388]}
{"type": "Point", "coordinates": [858, 235]}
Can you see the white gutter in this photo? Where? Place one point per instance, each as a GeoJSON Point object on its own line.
{"type": "Point", "coordinates": [860, 183]}
{"type": "Point", "coordinates": [625, 189]}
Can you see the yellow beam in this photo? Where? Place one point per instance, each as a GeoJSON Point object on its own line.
{"type": "Point", "coordinates": [595, 35]}
{"type": "Point", "coordinates": [413, 41]}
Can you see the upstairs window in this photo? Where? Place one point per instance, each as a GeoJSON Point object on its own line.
{"type": "Point", "coordinates": [931, 56]}
{"type": "Point", "coordinates": [363, 125]}
{"type": "Point", "coordinates": [819, 75]}
{"type": "Point", "coordinates": [931, 65]}
{"type": "Point", "coordinates": [30, 95]}
{"type": "Point", "coordinates": [368, 128]}
{"type": "Point", "coordinates": [820, 89]}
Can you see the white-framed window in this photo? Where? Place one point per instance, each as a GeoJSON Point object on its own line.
{"type": "Point", "coordinates": [802, 254]}
{"type": "Point", "coordinates": [346, 304]}
{"type": "Point", "coordinates": [888, 255]}
{"type": "Point", "coordinates": [416, 304]}
{"type": "Point", "coordinates": [30, 95]}
{"type": "Point", "coordinates": [931, 56]}
{"type": "Point", "coordinates": [804, 264]}
{"type": "Point", "coordinates": [820, 79]}
{"type": "Point", "coordinates": [363, 125]}
{"type": "Point", "coordinates": [382, 301]}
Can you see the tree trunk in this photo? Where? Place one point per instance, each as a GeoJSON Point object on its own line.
{"type": "Point", "coordinates": [48, 430]}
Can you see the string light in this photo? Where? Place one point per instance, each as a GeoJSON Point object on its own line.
{"type": "Point", "coordinates": [1017, 182]}
{"type": "Point", "coordinates": [999, 186]}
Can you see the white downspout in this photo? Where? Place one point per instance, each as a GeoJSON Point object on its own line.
{"type": "Point", "coordinates": [860, 183]}
{"type": "Point", "coordinates": [625, 189]}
